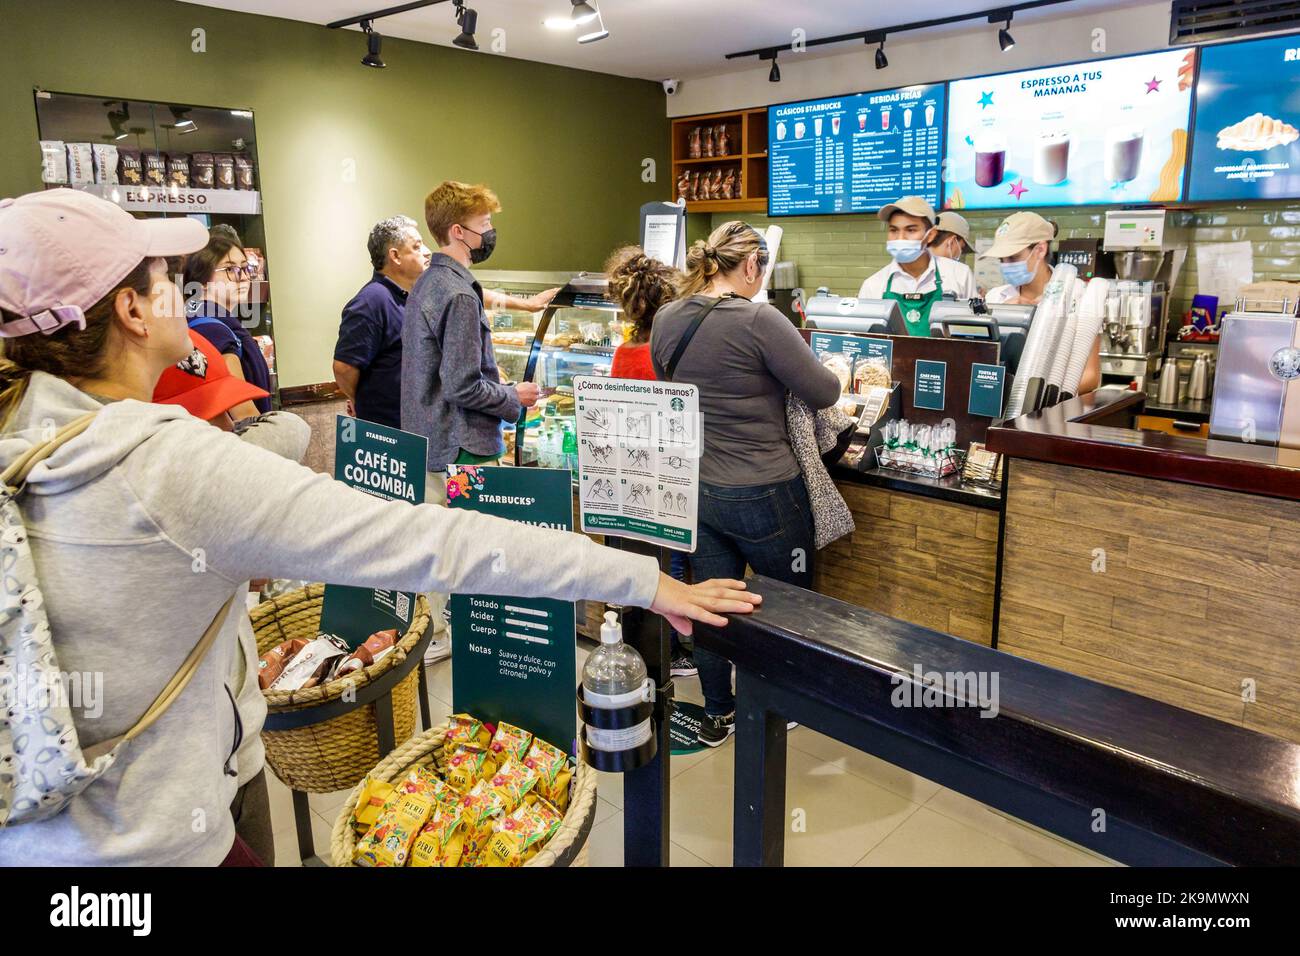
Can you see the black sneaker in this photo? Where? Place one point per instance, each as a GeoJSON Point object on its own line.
{"type": "Point", "coordinates": [683, 666]}
{"type": "Point", "coordinates": [714, 731]}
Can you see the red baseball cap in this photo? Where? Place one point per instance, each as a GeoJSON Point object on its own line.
{"type": "Point", "coordinates": [202, 384]}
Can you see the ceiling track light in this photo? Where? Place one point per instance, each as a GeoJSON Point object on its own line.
{"type": "Point", "coordinates": [774, 74]}
{"type": "Point", "coordinates": [583, 12]}
{"type": "Point", "coordinates": [1005, 40]}
{"type": "Point", "coordinates": [882, 61]}
{"type": "Point", "coordinates": [599, 33]}
{"type": "Point", "coordinates": [468, 20]}
{"type": "Point", "coordinates": [374, 46]}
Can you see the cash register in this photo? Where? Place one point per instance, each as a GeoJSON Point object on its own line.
{"type": "Point", "coordinates": [830, 313]}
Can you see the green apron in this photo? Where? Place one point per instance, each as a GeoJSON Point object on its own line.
{"type": "Point", "coordinates": [916, 305]}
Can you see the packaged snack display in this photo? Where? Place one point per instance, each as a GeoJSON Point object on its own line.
{"type": "Point", "coordinates": [513, 780]}
{"type": "Point", "coordinates": [553, 773]}
{"type": "Point", "coordinates": [870, 373]}
{"type": "Point", "coordinates": [105, 158]}
{"type": "Point", "coordinates": [518, 836]}
{"type": "Point", "coordinates": [468, 765]}
{"type": "Point", "coordinates": [309, 666]}
{"type": "Point", "coordinates": [130, 169]}
{"type": "Point", "coordinates": [178, 170]}
{"type": "Point", "coordinates": [509, 742]}
{"type": "Point", "coordinates": [482, 807]}
{"type": "Point", "coordinates": [225, 170]}
{"type": "Point", "coordinates": [374, 794]}
{"type": "Point", "coordinates": [271, 664]}
{"type": "Point", "coordinates": [465, 730]}
{"type": "Point", "coordinates": [243, 172]}
{"type": "Point", "coordinates": [389, 841]}
{"type": "Point", "coordinates": [81, 164]}
{"type": "Point", "coordinates": [155, 169]}
{"type": "Point", "coordinates": [202, 171]}
{"type": "Point", "coordinates": [54, 161]}
{"type": "Point", "coordinates": [442, 841]}
{"type": "Point", "coordinates": [426, 782]}
{"type": "Point", "coordinates": [375, 646]}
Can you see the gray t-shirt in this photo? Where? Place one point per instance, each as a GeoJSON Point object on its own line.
{"type": "Point", "coordinates": [744, 358]}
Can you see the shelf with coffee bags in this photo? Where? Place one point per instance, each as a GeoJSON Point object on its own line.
{"type": "Point", "coordinates": [720, 161]}
{"type": "Point", "coordinates": [177, 199]}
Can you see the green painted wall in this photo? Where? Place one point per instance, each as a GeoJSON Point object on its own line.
{"type": "Point", "coordinates": [841, 251]}
{"type": "Point", "coordinates": [563, 148]}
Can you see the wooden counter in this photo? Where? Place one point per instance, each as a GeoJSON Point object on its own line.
{"type": "Point", "coordinates": [1166, 566]}
{"type": "Point", "coordinates": [924, 551]}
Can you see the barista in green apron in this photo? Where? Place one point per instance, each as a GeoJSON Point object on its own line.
{"type": "Point", "coordinates": [916, 305]}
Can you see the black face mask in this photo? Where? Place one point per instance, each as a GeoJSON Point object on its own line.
{"type": "Point", "coordinates": [487, 244]}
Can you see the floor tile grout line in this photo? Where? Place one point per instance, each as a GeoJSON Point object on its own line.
{"type": "Point", "coordinates": [1065, 844]}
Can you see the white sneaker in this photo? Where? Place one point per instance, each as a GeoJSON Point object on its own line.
{"type": "Point", "coordinates": [439, 649]}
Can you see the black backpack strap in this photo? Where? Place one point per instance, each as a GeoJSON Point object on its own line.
{"type": "Point", "coordinates": [685, 340]}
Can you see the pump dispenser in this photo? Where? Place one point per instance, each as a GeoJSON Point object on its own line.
{"type": "Point", "coordinates": [614, 677]}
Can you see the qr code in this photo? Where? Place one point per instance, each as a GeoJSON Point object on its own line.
{"type": "Point", "coordinates": [403, 606]}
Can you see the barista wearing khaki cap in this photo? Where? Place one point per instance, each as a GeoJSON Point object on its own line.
{"type": "Point", "coordinates": [916, 279]}
{"type": "Point", "coordinates": [1022, 244]}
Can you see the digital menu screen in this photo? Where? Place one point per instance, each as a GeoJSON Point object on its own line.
{"type": "Point", "coordinates": [855, 153]}
{"type": "Point", "coordinates": [1245, 141]}
{"type": "Point", "coordinates": [1101, 132]}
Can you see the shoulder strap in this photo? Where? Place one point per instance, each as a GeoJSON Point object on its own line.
{"type": "Point", "coordinates": [208, 320]}
{"type": "Point", "coordinates": [685, 340]}
{"type": "Point", "coordinates": [13, 479]}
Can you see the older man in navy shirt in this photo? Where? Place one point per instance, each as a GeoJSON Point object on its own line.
{"type": "Point", "coordinates": [368, 355]}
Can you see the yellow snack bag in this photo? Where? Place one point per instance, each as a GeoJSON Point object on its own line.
{"type": "Point", "coordinates": [467, 766]}
{"type": "Point", "coordinates": [442, 840]}
{"type": "Point", "coordinates": [544, 807]}
{"type": "Point", "coordinates": [517, 837]}
{"type": "Point", "coordinates": [553, 772]}
{"type": "Point", "coordinates": [481, 808]}
{"type": "Point", "coordinates": [374, 794]}
{"type": "Point", "coordinates": [425, 781]}
{"type": "Point", "coordinates": [509, 743]}
{"type": "Point", "coordinates": [513, 780]}
{"type": "Point", "coordinates": [465, 730]}
{"type": "Point", "coordinates": [389, 840]}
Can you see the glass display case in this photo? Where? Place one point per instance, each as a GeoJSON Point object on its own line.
{"type": "Point", "coordinates": [575, 335]}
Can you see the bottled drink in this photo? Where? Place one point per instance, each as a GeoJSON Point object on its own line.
{"type": "Point", "coordinates": [614, 677]}
{"type": "Point", "coordinates": [569, 450]}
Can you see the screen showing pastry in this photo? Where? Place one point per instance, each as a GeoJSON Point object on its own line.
{"type": "Point", "coordinates": [1245, 143]}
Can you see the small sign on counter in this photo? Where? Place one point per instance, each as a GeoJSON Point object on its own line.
{"type": "Point", "coordinates": [853, 346]}
{"type": "Point", "coordinates": [986, 387]}
{"type": "Point", "coordinates": [928, 385]}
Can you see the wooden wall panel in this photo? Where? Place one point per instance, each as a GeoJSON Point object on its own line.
{"type": "Point", "coordinates": [1198, 598]}
{"type": "Point", "coordinates": [918, 559]}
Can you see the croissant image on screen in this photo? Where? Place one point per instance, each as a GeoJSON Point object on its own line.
{"type": "Point", "coordinates": [1257, 132]}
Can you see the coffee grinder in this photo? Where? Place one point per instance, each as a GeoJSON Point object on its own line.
{"type": "Point", "coordinates": [1147, 253]}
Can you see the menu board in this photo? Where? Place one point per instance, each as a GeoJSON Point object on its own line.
{"type": "Point", "coordinates": [855, 153]}
{"type": "Point", "coordinates": [1101, 132]}
{"type": "Point", "coordinates": [1245, 141]}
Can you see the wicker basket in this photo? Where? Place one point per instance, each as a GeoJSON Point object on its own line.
{"type": "Point", "coordinates": [567, 848]}
{"type": "Point", "coordinates": [334, 754]}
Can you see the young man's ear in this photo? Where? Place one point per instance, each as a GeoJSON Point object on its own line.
{"type": "Point", "coordinates": [131, 312]}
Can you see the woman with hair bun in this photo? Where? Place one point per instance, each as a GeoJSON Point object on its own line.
{"type": "Point", "coordinates": [744, 356]}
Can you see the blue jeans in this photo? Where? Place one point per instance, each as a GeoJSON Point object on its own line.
{"type": "Point", "coordinates": [677, 569]}
{"type": "Point", "coordinates": [768, 527]}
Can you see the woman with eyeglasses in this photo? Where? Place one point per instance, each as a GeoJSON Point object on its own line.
{"type": "Point", "coordinates": [217, 282]}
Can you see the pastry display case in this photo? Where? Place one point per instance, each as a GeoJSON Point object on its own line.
{"type": "Point", "coordinates": [575, 335]}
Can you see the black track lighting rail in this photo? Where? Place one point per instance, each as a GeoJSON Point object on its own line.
{"type": "Point", "coordinates": [992, 15]}
{"type": "Point", "coordinates": [387, 12]}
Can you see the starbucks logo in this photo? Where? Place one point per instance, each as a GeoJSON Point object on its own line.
{"type": "Point", "coordinates": [677, 404]}
{"type": "Point", "coordinates": [1285, 364]}
{"type": "Point", "coordinates": [913, 315]}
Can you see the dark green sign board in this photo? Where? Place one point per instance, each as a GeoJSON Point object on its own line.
{"type": "Point", "coordinates": [852, 347]}
{"type": "Point", "coordinates": [928, 386]}
{"type": "Point", "coordinates": [514, 659]}
{"type": "Point", "coordinates": [389, 464]}
{"type": "Point", "coordinates": [986, 385]}
{"type": "Point", "coordinates": [684, 728]}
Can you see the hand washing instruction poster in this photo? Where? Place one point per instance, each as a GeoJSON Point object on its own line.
{"type": "Point", "coordinates": [1106, 131]}
{"type": "Point", "coordinates": [639, 448]}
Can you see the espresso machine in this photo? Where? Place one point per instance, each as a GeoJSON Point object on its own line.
{"type": "Point", "coordinates": [1147, 253]}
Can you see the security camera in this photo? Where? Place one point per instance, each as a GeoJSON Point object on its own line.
{"type": "Point", "coordinates": [671, 86]}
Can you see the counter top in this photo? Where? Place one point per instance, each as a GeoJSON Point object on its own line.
{"type": "Point", "coordinates": [951, 489]}
{"type": "Point", "coordinates": [1095, 431]}
{"type": "Point", "coordinates": [1188, 410]}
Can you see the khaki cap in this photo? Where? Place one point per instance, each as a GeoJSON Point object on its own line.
{"type": "Point", "coordinates": [1018, 231]}
{"type": "Point", "coordinates": [957, 225]}
{"type": "Point", "coordinates": [912, 206]}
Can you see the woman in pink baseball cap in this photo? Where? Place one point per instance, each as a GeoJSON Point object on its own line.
{"type": "Point", "coordinates": [139, 543]}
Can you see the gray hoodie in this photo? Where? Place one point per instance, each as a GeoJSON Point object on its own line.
{"type": "Point", "coordinates": [144, 525]}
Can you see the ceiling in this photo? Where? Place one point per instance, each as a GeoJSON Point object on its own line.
{"type": "Point", "coordinates": [650, 39]}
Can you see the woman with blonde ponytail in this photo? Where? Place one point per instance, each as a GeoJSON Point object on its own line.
{"type": "Point", "coordinates": [138, 542]}
{"type": "Point", "coordinates": [744, 356]}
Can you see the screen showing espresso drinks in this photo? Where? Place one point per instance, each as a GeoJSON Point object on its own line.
{"type": "Point", "coordinates": [1103, 132]}
{"type": "Point", "coordinates": [1245, 144]}
{"type": "Point", "coordinates": [855, 153]}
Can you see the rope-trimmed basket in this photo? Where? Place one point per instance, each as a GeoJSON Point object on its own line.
{"type": "Point", "coordinates": [568, 847]}
{"type": "Point", "coordinates": [334, 754]}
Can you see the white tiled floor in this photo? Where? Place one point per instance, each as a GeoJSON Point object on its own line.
{"type": "Point", "coordinates": [847, 808]}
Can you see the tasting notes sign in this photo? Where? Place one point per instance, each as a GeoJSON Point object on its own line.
{"type": "Point", "coordinates": [639, 446]}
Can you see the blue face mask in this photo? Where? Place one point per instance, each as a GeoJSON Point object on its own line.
{"type": "Point", "coordinates": [1017, 273]}
{"type": "Point", "coordinates": [904, 250]}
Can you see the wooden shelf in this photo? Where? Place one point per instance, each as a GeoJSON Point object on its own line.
{"type": "Point", "coordinates": [745, 128]}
